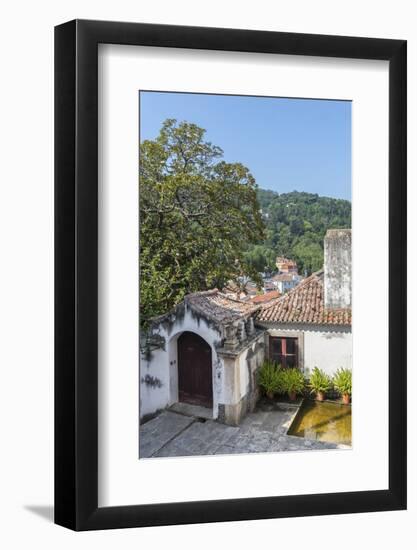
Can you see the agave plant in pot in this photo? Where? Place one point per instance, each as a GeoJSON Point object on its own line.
{"type": "Point", "coordinates": [320, 383]}
{"type": "Point", "coordinates": [342, 381]}
{"type": "Point", "coordinates": [269, 378]}
{"type": "Point", "coordinates": [292, 382]}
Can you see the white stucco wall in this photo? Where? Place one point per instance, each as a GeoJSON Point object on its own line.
{"type": "Point", "coordinates": [159, 374]}
{"type": "Point", "coordinates": [153, 398]}
{"type": "Point", "coordinates": [328, 350]}
{"type": "Point", "coordinates": [253, 355]}
{"type": "Point", "coordinates": [238, 383]}
{"type": "Point", "coordinates": [325, 348]}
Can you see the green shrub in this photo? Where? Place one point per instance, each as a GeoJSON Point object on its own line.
{"type": "Point", "coordinates": [281, 375]}
{"type": "Point", "coordinates": [319, 381]}
{"type": "Point", "coordinates": [292, 381]}
{"type": "Point", "coordinates": [342, 381]}
{"type": "Point", "coordinates": [269, 377]}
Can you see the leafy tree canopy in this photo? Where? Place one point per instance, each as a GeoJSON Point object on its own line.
{"type": "Point", "coordinates": [198, 216]}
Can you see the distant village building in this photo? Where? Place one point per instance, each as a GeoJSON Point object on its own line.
{"type": "Point", "coordinates": [284, 282]}
{"type": "Point", "coordinates": [207, 350]}
{"type": "Point", "coordinates": [264, 214]}
{"type": "Point", "coordinates": [284, 265]}
{"type": "Point", "coordinates": [268, 285]}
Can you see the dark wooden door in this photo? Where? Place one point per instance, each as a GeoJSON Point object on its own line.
{"type": "Point", "coordinates": [195, 383]}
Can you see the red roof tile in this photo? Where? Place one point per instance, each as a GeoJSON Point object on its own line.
{"type": "Point", "coordinates": [267, 297]}
{"type": "Point", "coordinates": [305, 304]}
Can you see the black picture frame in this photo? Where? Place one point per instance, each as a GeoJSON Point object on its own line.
{"type": "Point", "coordinates": [76, 272]}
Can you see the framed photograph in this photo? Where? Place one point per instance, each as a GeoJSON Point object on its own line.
{"type": "Point", "coordinates": [230, 244]}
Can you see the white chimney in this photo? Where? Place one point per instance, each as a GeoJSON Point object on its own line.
{"type": "Point", "coordinates": [338, 268]}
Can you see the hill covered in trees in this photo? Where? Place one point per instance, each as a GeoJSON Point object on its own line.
{"type": "Point", "coordinates": [295, 227]}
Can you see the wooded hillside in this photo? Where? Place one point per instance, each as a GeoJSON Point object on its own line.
{"type": "Point", "coordinates": [295, 227]}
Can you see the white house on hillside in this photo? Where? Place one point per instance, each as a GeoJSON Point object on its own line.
{"type": "Point", "coordinates": [284, 282]}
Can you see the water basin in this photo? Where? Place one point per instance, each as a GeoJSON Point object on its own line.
{"type": "Point", "coordinates": [323, 421]}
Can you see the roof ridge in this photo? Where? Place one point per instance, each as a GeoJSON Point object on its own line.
{"type": "Point", "coordinates": [214, 291]}
{"type": "Point", "coordinates": [202, 293]}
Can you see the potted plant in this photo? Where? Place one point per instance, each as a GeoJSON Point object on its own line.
{"type": "Point", "coordinates": [269, 378]}
{"type": "Point", "coordinates": [292, 382]}
{"type": "Point", "coordinates": [342, 381]}
{"type": "Point", "coordinates": [320, 383]}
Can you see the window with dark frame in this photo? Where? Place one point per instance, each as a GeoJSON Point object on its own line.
{"type": "Point", "coordinates": [284, 351]}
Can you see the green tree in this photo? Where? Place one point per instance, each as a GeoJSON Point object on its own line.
{"type": "Point", "coordinates": [198, 215]}
{"type": "Point", "coordinates": [308, 255]}
{"type": "Point", "coordinates": [261, 258]}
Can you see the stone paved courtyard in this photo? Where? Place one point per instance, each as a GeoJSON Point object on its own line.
{"type": "Point", "coordinates": [265, 430]}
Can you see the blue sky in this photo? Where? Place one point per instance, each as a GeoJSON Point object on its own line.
{"type": "Point", "coordinates": [288, 144]}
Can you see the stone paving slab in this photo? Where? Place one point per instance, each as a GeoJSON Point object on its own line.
{"type": "Point", "coordinates": [192, 410]}
{"type": "Point", "coordinates": [172, 434]}
{"type": "Point", "coordinates": [160, 430]}
{"type": "Point", "coordinates": [200, 438]}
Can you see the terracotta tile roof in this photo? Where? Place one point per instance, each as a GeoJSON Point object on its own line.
{"type": "Point", "coordinates": [282, 260]}
{"type": "Point", "coordinates": [305, 304]}
{"type": "Point", "coordinates": [267, 297]}
{"type": "Point", "coordinates": [285, 277]}
{"type": "Point", "coordinates": [218, 307]}
{"type": "Point", "coordinates": [232, 290]}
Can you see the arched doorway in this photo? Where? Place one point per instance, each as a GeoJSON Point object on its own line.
{"type": "Point", "coordinates": [195, 383]}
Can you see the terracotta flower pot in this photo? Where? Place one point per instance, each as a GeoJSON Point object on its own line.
{"type": "Point", "coordinates": [346, 399]}
{"type": "Point", "coordinates": [292, 395]}
{"type": "Point", "coordinates": [320, 396]}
